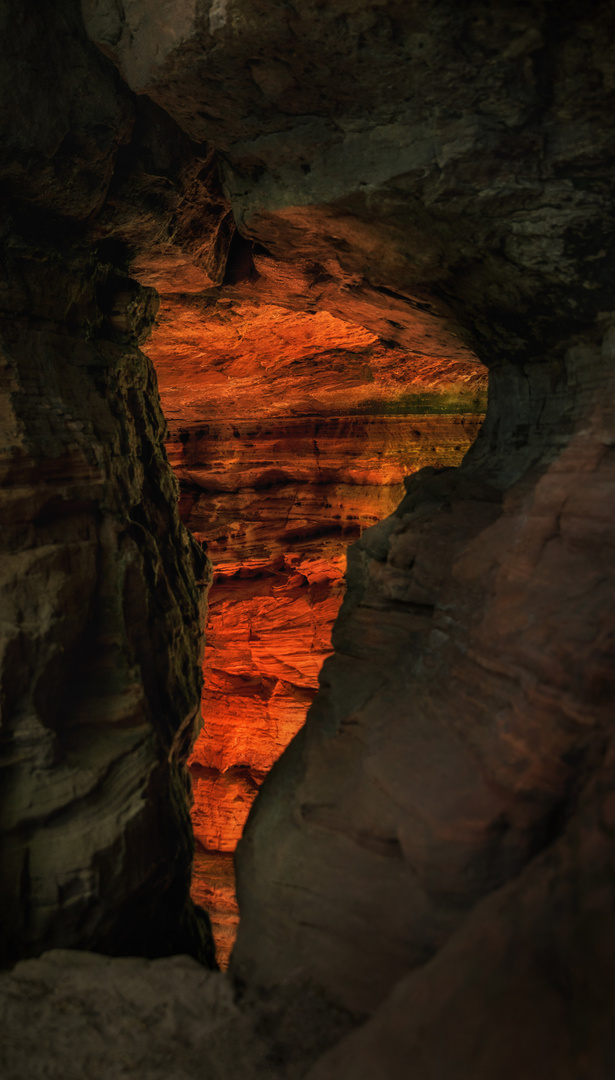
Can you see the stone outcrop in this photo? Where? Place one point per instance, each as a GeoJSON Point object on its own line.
{"type": "Point", "coordinates": [468, 187]}
{"type": "Point", "coordinates": [106, 1018]}
{"type": "Point", "coordinates": [165, 217]}
{"type": "Point", "coordinates": [102, 587]}
{"type": "Point", "coordinates": [455, 161]}
{"type": "Point", "coordinates": [453, 155]}
{"type": "Point", "coordinates": [477, 596]}
{"type": "Point", "coordinates": [525, 988]}
{"type": "Point", "coordinates": [102, 608]}
{"type": "Point", "coordinates": [89, 1015]}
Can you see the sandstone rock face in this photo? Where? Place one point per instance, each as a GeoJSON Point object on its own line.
{"type": "Point", "coordinates": [108, 1018]}
{"type": "Point", "coordinates": [524, 989]}
{"type": "Point", "coordinates": [458, 150]}
{"type": "Point", "coordinates": [102, 606]}
{"type": "Point", "coordinates": [165, 215]}
{"type": "Point", "coordinates": [101, 586]}
{"type": "Point", "coordinates": [489, 605]}
{"type": "Point", "coordinates": [441, 175]}
{"type": "Point", "coordinates": [454, 164]}
{"type": "Point", "coordinates": [213, 886]}
{"type": "Point", "coordinates": [65, 113]}
{"type": "Point", "coordinates": [290, 433]}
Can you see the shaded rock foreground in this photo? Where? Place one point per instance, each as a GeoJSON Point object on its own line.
{"type": "Point", "coordinates": [103, 598]}
{"type": "Point", "coordinates": [74, 1014]}
{"type": "Point", "coordinates": [290, 433]}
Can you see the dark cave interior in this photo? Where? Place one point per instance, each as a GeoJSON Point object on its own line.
{"type": "Point", "coordinates": [259, 260]}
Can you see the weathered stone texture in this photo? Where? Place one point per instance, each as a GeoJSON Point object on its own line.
{"type": "Point", "coordinates": [75, 1014]}
{"type": "Point", "coordinates": [102, 611]}
{"type": "Point", "coordinates": [442, 174]}
{"type": "Point", "coordinates": [102, 588]}
{"type": "Point", "coordinates": [165, 215]}
{"type": "Point", "coordinates": [468, 699]}
{"type": "Point", "coordinates": [290, 432]}
{"type": "Point", "coordinates": [65, 112]}
{"type": "Point", "coordinates": [525, 988]}
{"type": "Point", "coordinates": [462, 150]}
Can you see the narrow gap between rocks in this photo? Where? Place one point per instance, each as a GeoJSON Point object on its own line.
{"type": "Point", "coordinates": [290, 432]}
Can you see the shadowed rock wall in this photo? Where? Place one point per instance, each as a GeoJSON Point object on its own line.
{"type": "Point", "coordinates": [457, 161]}
{"type": "Point", "coordinates": [443, 175]}
{"type": "Point", "coordinates": [102, 588]}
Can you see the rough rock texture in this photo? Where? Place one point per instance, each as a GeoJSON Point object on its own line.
{"type": "Point", "coordinates": [490, 606]}
{"type": "Point", "coordinates": [467, 152]}
{"type": "Point", "coordinates": [164, 215]}
{"type": "Point", "coordinates": [213, 884]}
{"type": "Point", "coordinates": [101, 625]}
{"type": "Point", "coordinates": [249, 357]}
{"type": "Point", "coordinates": [74, 1014]}
{"type": "Point", "coordinates": [456, 149]}
{"type": "Point", "coordinates": [290, 433]}
{"type": "Point", "coordinates": [442, 174]}
{"type": "Point", "coordinates": [525, 989]}
{"type": "Point", "coordinates": [101, 586]}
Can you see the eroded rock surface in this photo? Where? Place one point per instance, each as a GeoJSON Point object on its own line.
{"type": "Point", "coordinates": [488, 604]}
{"type": "Point", "coordinates": [81, 1014]}
{"type": "Point", "coordinates": [525, 988]}
{"type": "Point", "coordinates": [442, 175]}
{"type": "Point", "coordinates": [102, 607]}
{"type": "Point", "coordinates": [454, 164]}
{"type": "Point", "coordinates": [102, 590]}
{"type": "Point", "coordinates": [453, 155]}
{"type": "Point", "coordinates": [290, 432]}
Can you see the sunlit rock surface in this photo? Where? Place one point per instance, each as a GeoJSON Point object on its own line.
{"type": "Point", "coordinates": [290, 433]}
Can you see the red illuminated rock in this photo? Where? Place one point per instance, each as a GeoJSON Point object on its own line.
{"type": "Point", "coordinates": [441, 174]}
{"type": "Point", "coordinates": [250, 357]}
{"type": "Point", "coordinates": [213, 888]}
{"type": "Point", "coordinates": [290, 433]}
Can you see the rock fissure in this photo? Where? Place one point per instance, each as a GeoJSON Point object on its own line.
{"type": "Point", "coordinates": [404, 192]}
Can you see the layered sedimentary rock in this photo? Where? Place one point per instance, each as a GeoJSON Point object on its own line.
{"type": "Point", "coordinates": [102, 606]}
{"type": "Point", "coordinates": [442, 175]}
{"type": "Point", "coordinates": [479, 598]}
{"type": "Point", "coordinates": [457, 162]}
{"type": "Point", "coordinates": [102, 588]}
{"type": "Point", "coordinates": [290, 433]}
{"type": "Point", "coordinates": [452, 157]}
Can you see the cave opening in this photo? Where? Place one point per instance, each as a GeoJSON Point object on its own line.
{"type": "Point", "coordinates": [341, 206]}
{"type": "Point", "coordinates": [291, 430]}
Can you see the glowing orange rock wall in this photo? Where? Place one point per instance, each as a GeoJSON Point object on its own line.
{"type": "Point", "coordinates": [277, 503]}
{"type": "Point", "coordinates": [289, 433]}
{"type": "Point", "coordinates": [267, 639]}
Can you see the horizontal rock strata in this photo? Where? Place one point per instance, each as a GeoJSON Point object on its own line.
{"type": "Point", "coordinates": [276, 496]}
{"type": "Point", "coordinates": [433, 852]}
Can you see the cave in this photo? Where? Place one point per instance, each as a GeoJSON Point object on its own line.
{"type": "Point", "coordinates": [307, 334]}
